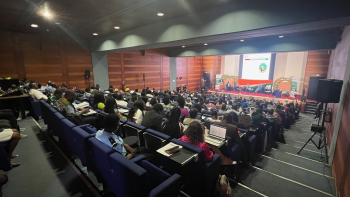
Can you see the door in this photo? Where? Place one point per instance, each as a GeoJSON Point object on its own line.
{"type": "Point", "coordinates": [206, 77]}
{"type": "Point", "coordinates": [312, 91]}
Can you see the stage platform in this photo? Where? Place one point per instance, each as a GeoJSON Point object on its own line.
{"type": "Point", "coordinates": [260, 96]}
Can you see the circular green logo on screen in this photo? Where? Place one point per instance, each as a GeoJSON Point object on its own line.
{"type": "Point", "coordinates": [262, 67]}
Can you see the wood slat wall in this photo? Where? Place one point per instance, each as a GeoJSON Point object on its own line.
{"type": "Point", "coordinates": [44, 57]}
{"type": "Point", "coordinates": [317, 64]}
{"type": "Point", "coordinates": [130, 67]}
{"type": "Point", "coordinates": [190, 69]}
{"type": "Point", "coordinates": [212, 65]}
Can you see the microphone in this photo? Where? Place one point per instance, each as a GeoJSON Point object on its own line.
{"type": "Point", "coordinates": [112, 141]}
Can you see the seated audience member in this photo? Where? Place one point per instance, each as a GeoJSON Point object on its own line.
{"type": "Point", "coordinates": [234, 109]}
{"type": "Point", "coordinates": [136, 113]}
{"type": "Point", "coordinates": [272, 118]}
{"type": "Point", "coordinates": [8, 119]}
{"type": "Point", "coordinates": [198, 107]}
{"type": "Point", "coordinates": [181, 102]}
{"type": "Point", "coordinates": [149, 94]}
{"type": "Point", "coordinates": [64, 85]}
{"type": "Point", "coordinates": [87, 93]}
{"type": "Point", "coordinates": [210, 105]}
{"type": "Point", "coordinates": [12, 136]}
{"type": "Point", "coordinates": [111, 107]}
{"type": "Point", "coordinates": [37, 95]}
{"type": "Point", "coordinates": [145, 100]}
{"type": "Point", "coordinates": [152, 102]}
{"type": "Point", "coordinates": [57, 95]}
{"type": "Point", "coordinates": [132, 101]}
{"type": "Point", "coordinates": [193, 115]}
{"type": "Point", "coordinates": [166, 104]}
{"type": "Point", "coordinates": [214, 116]}
{"type": "Point", "coordinates": [257, 117]}
{"type": "Point", "coordinates": [220, 103]}
{"type": "Point", "coordinates": [111, 124]}
{"type": "Point", "coordinates": [286, 110]}
{"type": "Point", "coordinates": [153, 119]}
{"type": "Point", "coordinates": [54, 87]}
{"type": "Point", "coordinates": [230, 122]}
{"type": "Point", "coordinates": [173, 127]}
{"type": "Point", "coordinates": [194, 135]}
{"type": "Point", "coordinates": [39, 86]}
{"type": "Point", "coordinates": [223, 109]}
{"type": "Point", "coordinates": [99, 97]}
{"type": "Point", "coordinates": [137, 92]}
{"type": "Point", "coordinates": [244, 103]}
{"type": "Point", "coordinates": [120, 100]}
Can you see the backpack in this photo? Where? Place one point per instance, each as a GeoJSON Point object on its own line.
{"type": "Point", "coordinates": [223, 186]}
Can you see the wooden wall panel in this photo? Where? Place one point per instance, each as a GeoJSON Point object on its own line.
{"type": "Point", "coordinates": [44, 57]}
{"type": "Point", "coordinates": [317, 64]}
{"type": "Point", "coordinates": [132, 65]}
{"type": "Point", "coordinates": [212, 65]}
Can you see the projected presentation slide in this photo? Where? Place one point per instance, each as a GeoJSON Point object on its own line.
{"type": "Point", "coordinates": [256, 66]}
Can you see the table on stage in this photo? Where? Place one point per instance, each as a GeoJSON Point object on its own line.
{"type": "Point", "coordinates": [20, 99]}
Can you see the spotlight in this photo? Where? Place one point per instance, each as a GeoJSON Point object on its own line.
{"type": "Point", "coordinates": [280, 36]}
{"type": "Point", "coordinates": [95, 34]}
{"type": "Point", "coordinates": [183, 46]}
{"type": "Point", "coordinates": [242, 40]}
{"type": "Point", "coordinates": [34, 25]}
{"type": "Point", "coordinates": [116, 27]}
{"type": "Point", "coordinates": [205, 44]}
{"type": "Point", "coordinates": [160, 14]}
{"type": "Point", "coordinates": [47, 14]}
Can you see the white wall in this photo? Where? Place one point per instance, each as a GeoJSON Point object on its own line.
{"type": "Point", "coordinates": [291, 64]}
{"type": "Point", "coordinates": [230, 65]}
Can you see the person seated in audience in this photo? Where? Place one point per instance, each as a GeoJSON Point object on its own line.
{"type": "Point", "coordinates": [120, 100]}
{"type": "Point", "coordinates": [220, 103]}
{"type": "Point", "coordinates": [57, 95]}
{"type": "Point", "coordinates": [111, 107]}
{"type": "Point", "coordinates": [181, 102]}
{"type": "Point", "coordinates": [152, 102]}
{"type": "Point", "coordinates": [8, 119]}
{"type": "Point", "coordinates": [12, 136]}
{"type": "Point", "coordinates": [37, 95]}
{"type": "Point", "coordinates": [210, 105]}
{"type": "Point", "coordinates": [65, 106]}
{"type": "Point", "coordinates": [193, 116]}
{"type": "Point", "coordinates": [64, 85]}
{"type": "Point", "coordinates": [223, 109]}
{"type": "Point", "coordinates": [156, 95]}
{"type": "Point", "coordinates": [234, 109]}
{"type": "Point", "coordinates": [229, 104]}
{"type": "Point", "coordinates": [137, 92]}
{"type": "Point", "coordinates": [214, 116]}
{"type": "Point", "coordinates": [153, 119]}
{"type": "Point", "coordinates": [48, 86]}
{"type": "Point", "coordinates": [111, 124]}
{"type": "Point", "coordinates": [257, 117]}
{"type": "Point", "coordinates": [149, 94]}
{"type": "Point", "coordinates": [54, 87]}
{"type": "Point", "coordinates": [272, 118]}
{"type": "Point", "coordinates": [199, 109]}
{"type": "Point", "coordinates": [286, 110]}
{"type": "Point", "coordinates": [136, 113]}
{"type": "Point", "coordinates": [194, 135]}
{"type": "Point", "coordinates": [145, 100]}
{"type": "Point", "coordinates": [161, 94]}
{"type": "Point", "coordinates": [87, 93]}
{"type": "Point", "coordinates": [98, 98]}
{"type": "Point", "coordinates": [166, 104]}
{"type": "Point", "coordinates": [173, 127]}
{"type": "Point", "coordinates": [132, 101]}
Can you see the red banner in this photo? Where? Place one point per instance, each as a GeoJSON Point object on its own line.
{"type": "Point", "coordinates": [253, 82]}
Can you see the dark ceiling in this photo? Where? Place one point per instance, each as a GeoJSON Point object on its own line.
{"type": "Point", "coordinates": [85, 17]}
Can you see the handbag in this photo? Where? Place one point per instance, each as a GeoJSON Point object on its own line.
{"type": "Point", "coordinates": [223, 186]}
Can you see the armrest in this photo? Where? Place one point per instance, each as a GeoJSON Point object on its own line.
{"type": "Point", "coordinates": [138, 159]}
{"type": "Point", "coordinates": [216, 159]}
{"type": "Point", "coordinates": [169, 187]}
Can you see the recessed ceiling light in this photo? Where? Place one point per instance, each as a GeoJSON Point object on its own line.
{"type": "Point", "coordinates": [47, 14]}
{"type": "Point", "coordinates": [160, 14]}
{"type": "Point", "coordinates": [47, 30]}
{"type": "Point", "coordinates": [280, 36]}
{"type": "Point", "coordinates": [183, 46]}
{"type": "Point", "coordinates": [242, 40]}
{"type": "Point", "coordinates": [95, 34]}
{"type": "Point", "coordinates": [205, 44]}
{"type": "Point", "coordinates": [34, 25]}
{"type": "Point", "coordinates": [116, 27]}
{"type": "Point", "coordinates": [57, 23]}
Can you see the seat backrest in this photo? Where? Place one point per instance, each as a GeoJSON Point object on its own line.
{"type": "Point", "coordinates": [80, 146]}
{"type": "Point", "coordinates": [88, 128]}
{"type": "Point", "coordinates": [252, 143]}
{"type": "Point", "coordinates": [133, 129]}
{"type": "Point", "coordinates": [127, 176]}
{"type": "Point", "coordinates": [67, 130]}
{"type": "Point", "coordinates": [154, 140]}
{"type": "Point", "coordinates": [99, 154]}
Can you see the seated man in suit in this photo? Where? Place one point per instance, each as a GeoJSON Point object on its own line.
{"type": "Point", "coordinates": [153, 119]}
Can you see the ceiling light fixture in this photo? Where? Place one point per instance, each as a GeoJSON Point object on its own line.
{"type": "Point", "coordinates": [95, 34]}
{"type": "Point", "coordinates": [47, 14]}
{"type": "Point", "coordinates": [205, 44]}
{"type": "Point", "coordinates": [183, 46]}
{"type": "Point", "coordinates": [116, 27]}
{"type": "Point", "coordinates": [34, 25]}
{"type": "Point", "coordinates": [242, 40]}
{"type": "Point", "coordinates": [160, 14]}
{"type": "Point", "coordinates": [280, 36]}
{"type": "Point", "coordinates": [57, 23]}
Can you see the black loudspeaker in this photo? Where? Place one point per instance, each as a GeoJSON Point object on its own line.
{"type": "Point", "coordinates": [328, 90]}
{"type": "Point", "coordinates": [87, 73]}
{"type": "Point", "coordinates": [206, 77]}
{"type": "Point", "coordinates": [143, 76]}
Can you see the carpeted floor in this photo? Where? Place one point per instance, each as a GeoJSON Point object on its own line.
{"type": "Point", "coordinates": [282, 172]}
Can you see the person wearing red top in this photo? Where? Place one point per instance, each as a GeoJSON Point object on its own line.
{"type": "Point", "coordinates": [195, 135]}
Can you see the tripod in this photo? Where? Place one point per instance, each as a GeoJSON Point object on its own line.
{"type": "Point", "coordinates": [321, 130]}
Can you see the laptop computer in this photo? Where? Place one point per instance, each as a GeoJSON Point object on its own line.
{"type": "Point", "coordinates": [216, 136]}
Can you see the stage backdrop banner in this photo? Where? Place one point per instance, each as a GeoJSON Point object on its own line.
{"type": "Point", "coordinates": [243, 82]}
{"type": "Point", "coordinates": [295, 81]}
{"type": "Point", "coordinates": [229, 81]}
{"type": "Point", "coordinates": [218, 82]}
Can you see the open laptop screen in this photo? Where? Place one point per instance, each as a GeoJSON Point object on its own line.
{"type": "Point", "coordinates": [217, 131]}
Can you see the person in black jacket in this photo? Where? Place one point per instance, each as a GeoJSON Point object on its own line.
{"type": "Point", "coordinates": [153, 119]}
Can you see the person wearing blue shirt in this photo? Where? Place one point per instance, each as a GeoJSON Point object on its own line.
{"type": "Point", "coordinates": [111, 125]}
